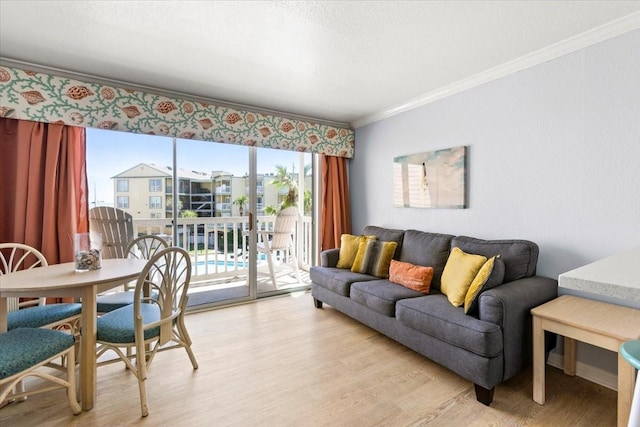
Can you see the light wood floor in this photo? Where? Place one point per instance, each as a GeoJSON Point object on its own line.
{"type": "Point", "coordinates": [281, 362]}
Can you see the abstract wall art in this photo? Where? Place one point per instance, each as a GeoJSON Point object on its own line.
{"type": "Point", "coordinates": [434, 179]}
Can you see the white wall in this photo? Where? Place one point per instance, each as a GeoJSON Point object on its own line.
{"type": "Point", "coordinates": [554, 157]}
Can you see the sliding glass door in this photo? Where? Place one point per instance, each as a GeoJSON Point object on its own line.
{"type": "Point", "coordinates": [284, 244]}
{"type": "Point", "coordinates": [217, 201]}
{"type": "Point", "coordinates": [213, 222]}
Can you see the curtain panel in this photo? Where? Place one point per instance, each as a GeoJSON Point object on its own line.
{"type": "Point", "coordinates": [336, 207]}
{"type": "Point", "coordinates": [41, 97]}
{"type": "Point", "coordinates": [44, 199]}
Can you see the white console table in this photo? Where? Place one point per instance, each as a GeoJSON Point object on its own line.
{"type": "Point", "coordinates": [617, 276]}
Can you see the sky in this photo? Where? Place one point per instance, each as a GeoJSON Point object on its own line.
{"type": "Point", "coordinates": [110, 152]}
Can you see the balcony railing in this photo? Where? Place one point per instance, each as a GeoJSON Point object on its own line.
{"type": "Point", "coordinates": [259, 189]}
{"type": "Point", "coordinates": [219, 245]}
{"type": "Point", "coordinates": [223, 190]}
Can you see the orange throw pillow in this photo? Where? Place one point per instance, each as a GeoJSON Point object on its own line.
{"type": "Point", "coordinates": [412, 276]}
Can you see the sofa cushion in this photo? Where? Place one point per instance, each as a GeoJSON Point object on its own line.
{"type": "Point", "coordinates": [435, 316]}
{"type": "Point", "coordinates": [386, 235]}
{"type": "Point", "coordinates": [459, 272]}
{"type": "Point", "coordinates": [374, 257]}
{"type": "Point", "coordinates": [491, 274]}
{"type": "Point", "coordinates": [519, 256]}
{"type": "Point", "coordinates": [349, 245]}
{"type": "Point", "coordinates": [381, 295]}
{"type": "Point", "coordinates": [411, 276]}
{"type": "Point", "coordinates": [428, 249]}
{"type": "Point", "coordinates": [338, 280]}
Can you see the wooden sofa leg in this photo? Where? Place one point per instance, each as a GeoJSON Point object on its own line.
{"type": "Point", "coordinates": [483, 395]}
{"type": "Point", "coordinates": [317, 303]}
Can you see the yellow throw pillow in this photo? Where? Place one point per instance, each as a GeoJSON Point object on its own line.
{"type": "Point", "coordinates": [374, 257]}
{"type": "Point", "coordinates": [484, 280]}
{"type": "Point", "coordinates": [459, 272]}
{"type": "Point", "coordinates": [478, 284]}
{"type": "Point", "coordinates": [349, 245]}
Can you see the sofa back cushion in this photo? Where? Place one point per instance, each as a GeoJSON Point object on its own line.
{"type": "Point", "coordinates": [519, 256]}
{"type": "Point", "coordinates": [427, 249]}
{"type": "Point", "coordinates": [386, 235]}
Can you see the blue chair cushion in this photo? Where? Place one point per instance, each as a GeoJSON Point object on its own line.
{"type": "Point", "coordinates": [41, 315]}
{"type": "Point", "coordinates": [116, 300]}
{"type": "Point", "coordinates": [630, 350]}
{"type": "Point", "coordinates": [22, 348]}
{"type": "Point", "coordinates": [117, 326]}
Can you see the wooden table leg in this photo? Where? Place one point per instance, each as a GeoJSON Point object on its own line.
{"type": "Point", "coordinates": [569, 356]}
{"type": "Point", "coordinates": [88, 348]}
{"type": "Point", "coordinates": [538, 362]}
{"type": "Point", "coordinates": [626, 384]}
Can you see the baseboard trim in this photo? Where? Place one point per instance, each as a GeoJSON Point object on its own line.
{"type": "Point", "coordinates": [588, 372]}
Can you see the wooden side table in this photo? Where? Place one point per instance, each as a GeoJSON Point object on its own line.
{"type": "Point", "coordinates": [593, 322]}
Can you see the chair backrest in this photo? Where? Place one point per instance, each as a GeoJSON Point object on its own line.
{"type": "Point", "coordinates": [145, 246]}
{"type": "Point", "coordinates": [15, 257]}
{"type": "Point", "coordinates": [116, 227]}
{"type": "Point", "coordinates": [166, 277]}
{"type": "Point", "coordinates": [283, 228]}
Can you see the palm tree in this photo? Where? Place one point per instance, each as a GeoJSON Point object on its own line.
{"type": "Point", "coordinates": [270, 210]}
{"type": "Point", "coordinates": [286, 181]}
{"type": "Point", "coordinates": [188, 214]}
{"type": "Point", "coordinates": [307, 202]}
{"type": "Point", "coordinates": [241, 202]}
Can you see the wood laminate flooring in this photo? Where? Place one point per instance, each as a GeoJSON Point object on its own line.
{"type": "Point", "coordinates": [281, 362]}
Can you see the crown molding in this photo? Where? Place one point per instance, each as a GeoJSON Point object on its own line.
{"type": "Point", "coordinates": [580, 41]}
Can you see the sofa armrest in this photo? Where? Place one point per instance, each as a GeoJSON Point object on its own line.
{"type": "Point", "coordinates": [329, 258]}
{"type": "Point", "coordinates": [509, 306]}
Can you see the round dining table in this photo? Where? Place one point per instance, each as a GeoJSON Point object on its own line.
{"type": "Point", "coordinates": [61, 280]}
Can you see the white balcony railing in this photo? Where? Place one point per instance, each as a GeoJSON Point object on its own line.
{"type": "Point", "coordinates": [219, 245]}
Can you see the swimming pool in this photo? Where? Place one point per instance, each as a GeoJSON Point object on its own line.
{"type": "Point", "coordinates": [220, 263]}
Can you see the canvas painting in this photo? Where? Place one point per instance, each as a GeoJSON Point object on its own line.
{"type": "Point", "coordinates": [434, 179]}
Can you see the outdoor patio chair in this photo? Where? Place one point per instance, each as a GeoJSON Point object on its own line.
{"type": "Point", "coordinates": [24, 352]}
{"type": "Point", "coordinates": [155, 322]}
{"type": "Point", "coordinates": [116, 228]}
{"type": "Point", "coordinates": [280, 239]}
{"type": "Point", "coordinates": [143, 247]}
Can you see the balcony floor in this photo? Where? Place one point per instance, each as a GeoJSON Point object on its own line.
{"type": "Point", "coordinates": [216, 291]}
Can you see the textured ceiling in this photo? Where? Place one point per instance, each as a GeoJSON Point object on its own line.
{"type": "Point", "coordinates": [347, 62]}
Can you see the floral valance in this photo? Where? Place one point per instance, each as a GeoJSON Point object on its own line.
{"type": "Point", "coordinates": [41, 97]}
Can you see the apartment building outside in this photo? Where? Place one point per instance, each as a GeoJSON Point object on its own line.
{"type": "Point", "coordinates": [146, 191]}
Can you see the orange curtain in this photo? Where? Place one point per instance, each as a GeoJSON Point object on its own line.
{"type": "Point", "coordinates": [336, 211]}
{"type": "Point", "coordinates": [43, 186]}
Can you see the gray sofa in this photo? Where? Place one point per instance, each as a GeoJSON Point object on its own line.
{"type": "Point", "coordinates": [488, 348]}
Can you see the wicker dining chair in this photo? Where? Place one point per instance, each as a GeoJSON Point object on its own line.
{"type": "Point", "coordinates": [24, 352]}
{"type": "Point", "coordinates": [630, 351]}
{"type": "Point", "coordinates": [34, 313]}
{"type": "Point", "coordinates": [143, 247]}
{"type": "Point", "coordinates": [155, 322]}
